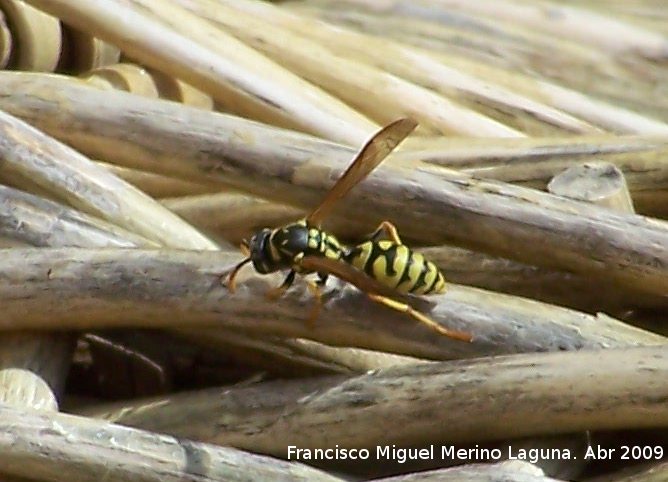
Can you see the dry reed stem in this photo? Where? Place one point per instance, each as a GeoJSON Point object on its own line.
{"type": "Point", "coordinates": [381, 96]}
{"type": "Point", "coordinates": [36, 38]}
{"type": "Point", "coordinates": [561, 288]}
{"type": "Point", "coordinates": [610, 35]}
{"type": "Point", "coordinates": [476, 400]}
{"type": "Point", "coordinates": [600, 183]}
{"type": "Point", "coordinates": [517, 111]}
{"type": "Point", "coordinates": [500, 472]}
{"type": "Point", "coordinates": [291, 356]}
{"type": "Point", "coordinates": [231, 69]}
{"type": "Point", "coordinates": [107, 135]}
{"type": "Point", "coordinates": [33, 158]}
{"type": "Point", "coordinates": [91, 289]}
{"type": "Point", "coordinates": [33, 366]}
{"type": "Point", "coordinates": [533, 162]}
{"type": "Point", "coordinates": [231, 213]}
{"type": "Point", "coordinates": [58, 447]}
{"type": "Point", "coordinates": [160, 186]}
{"type": "Point", "coordinates": [647, 472]}
{"type": "Point", "coordinates": [465, 45]}
{"type": "Point", "coordinates": [41, 222]}
{"type": "Point", "coordinates": [591, 108]}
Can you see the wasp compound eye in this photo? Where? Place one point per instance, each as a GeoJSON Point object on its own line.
{"type": "Point", "coordinates": [260, 252]}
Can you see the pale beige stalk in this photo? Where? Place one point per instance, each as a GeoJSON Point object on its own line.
{"type": "Point", "coordinates": [378, 94]}
{"type": "Point", "coordinates": [79, 289]}
{"type": "Point", "coordinates": [33, 158]}
{"type": "Point", "coordinates": [477, 400]}
{"type": "Point", "coordinates": [228, 68]}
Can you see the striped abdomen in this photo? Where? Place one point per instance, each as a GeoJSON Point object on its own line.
{"type": "Point", "coordinates": [398, 267]}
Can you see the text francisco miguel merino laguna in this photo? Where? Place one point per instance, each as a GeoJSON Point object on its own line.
{"type": "Point", "coordinates": [446, 452]}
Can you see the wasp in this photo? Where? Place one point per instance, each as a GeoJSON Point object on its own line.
{"type": "Point", "coordinates": [381, 266]}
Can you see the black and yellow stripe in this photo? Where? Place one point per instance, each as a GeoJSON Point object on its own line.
{"type": "Point", "coordinates": [397, 267]}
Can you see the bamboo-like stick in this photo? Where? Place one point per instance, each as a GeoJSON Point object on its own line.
{"type": "Point", "coordinates": [65, 447]}
{"type": "Point", "coordinates": [520, 112]}
{"type": "Point", "coordinates": [220, 66]}
{"type": "Point", "coordinates": [533, 162]}
{"type": "Point", "coordinates": [381, 96]}
{"type": "Point", "coordinates": [33, 369]}
{"type": "Point", "coordinates": [37, 37]}
{"type": "Point", "coordinates": [646, 472]}
{"type": "Point", "coordinates": [82, 52]}
{"type": "Point", "coordinates": [159, 186]}
{"type": "Point", "coordinates": [231, 211]}
{"type": "Point", "coordinates": [31, 157]}
{"type": "Point", "coordinates": [92, 289]}
{"type": "Point", "coordinates": [607, 115]}
{"type": "Point", "coordinates": [31, 219]}
{"type": "Point", "coordinates": [109, 122]}
{"type": "Point", "coordinates": [33, 366]}
{"type": "Point", "coordinates": [515, 396]}
{"type": "Point", "coordinates": [600, 183]}
{"type": "Point", "coordinates": [566, 289]}
{"type": "Point", "coordinates": [610, 35]}
{"type": "Point", "coordinates": [614, 37]}
{"type": "Point", "coordinates": [292, 356]}
{"type": "Point", "coordinates": [516, 471]}
{"type": "Point", "coordinates": [464, 46]}
{"type": "Point", "coordinates": [128, 77]}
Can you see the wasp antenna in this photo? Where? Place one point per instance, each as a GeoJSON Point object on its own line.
{"type": "Point", "coordinates": [245, 248]}
{"type": "Point", "coordinates": [231, 285]}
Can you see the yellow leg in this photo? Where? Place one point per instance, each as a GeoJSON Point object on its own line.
{"type": "Point", "coordinates": [422, 318]}
{"type": "Point", "coordinates": [231, 285]}
{"type": "Point", "coordinates": [315, 311]}
{"type": "Point", "coordinates": [274, 293]}
{"type": "Point", "coordinates": [391, 230]}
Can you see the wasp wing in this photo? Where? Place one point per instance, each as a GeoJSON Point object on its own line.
{"type": "Point", "coordinates": [378, 292]}
{"type": "Point", "coordinates": [372, 154]}
{"type": "Point", "coordinates": [359, 279]}
{"type": "Point", "coordinates": [347, 273]}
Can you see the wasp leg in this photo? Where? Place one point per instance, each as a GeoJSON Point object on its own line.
{"type": "Point", "coordinates": [422, 318]}
{"type": "Point", "coordinates": [274, 293]}
{"type": "Point", "coordinates": [322, 279]}
{"type": "Point", "coordinates": [231, 285]}
{"type": "Point", "coordinates": [390, 229]}
{"type": "Point", "coordinates": [317, 293]}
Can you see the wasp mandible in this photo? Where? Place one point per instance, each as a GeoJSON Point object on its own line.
{"type": "Point", "coordinates": [381, 267]}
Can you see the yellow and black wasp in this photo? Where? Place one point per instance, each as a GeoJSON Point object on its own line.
{"type": "Point", "coordinates": [382, 266]}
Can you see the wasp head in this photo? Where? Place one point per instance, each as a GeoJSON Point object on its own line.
{"type": "Point", "coordinates": [260, 253]}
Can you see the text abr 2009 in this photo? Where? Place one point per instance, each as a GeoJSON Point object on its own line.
{"type": "Point", "coordinates": [636, 452]}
